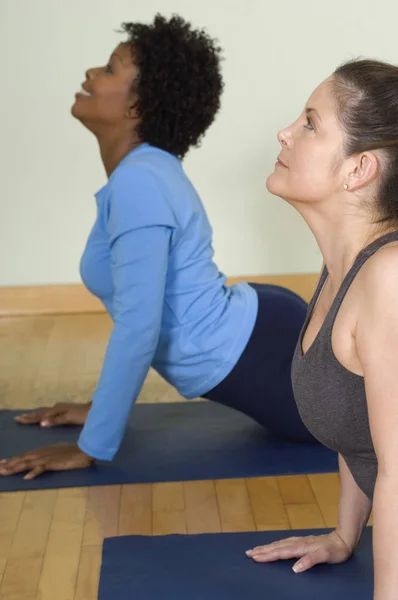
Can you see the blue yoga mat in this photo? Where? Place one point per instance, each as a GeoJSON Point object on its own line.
{"type": "Point", "coordinates": [214, 567]}
{"type": "Point", "coordinates": [170, 442]}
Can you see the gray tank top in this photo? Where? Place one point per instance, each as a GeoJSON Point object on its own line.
{"type": "Point", "coordinates": [332, 400]}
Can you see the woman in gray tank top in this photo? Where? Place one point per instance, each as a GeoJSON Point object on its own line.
{"type": "Point", "coordinates": [339, 168]}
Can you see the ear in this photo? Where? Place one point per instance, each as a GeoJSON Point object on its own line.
{"type": "Point", "coordinates": [131, 112]}
{"type": "Point", "coordinates": [365, 171]}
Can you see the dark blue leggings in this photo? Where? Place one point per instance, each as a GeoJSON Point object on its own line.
{"type": "Point", "coordinates": [260, 383]}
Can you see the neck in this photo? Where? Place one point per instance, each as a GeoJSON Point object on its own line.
{"type": "Point", "coordinates": [114, 148]}
{"type": "Point", "coordinates": [340, 236]}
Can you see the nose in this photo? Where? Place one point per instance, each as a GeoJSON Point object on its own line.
{"type": "Point", "coordinates": [90, 73]}
{"type": "Point", "coordinates": [285, 138]}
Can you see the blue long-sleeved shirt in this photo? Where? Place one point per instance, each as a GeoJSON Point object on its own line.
{"type": "Point", "coordinates": [149, 259]}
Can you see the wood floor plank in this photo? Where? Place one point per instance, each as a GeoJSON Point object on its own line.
{"type": "Point", "coordinates": [168, 496]}
{"type": "Point", "coordinates": [10, 510]}
{"type": "Point", "coordinates": [6, 545]}
{"type": "Point", "coordinates": [135, 516]}
{"type": "Point", "coordinates": [295, 489]}
{"type": "Point", "coordinates": [23, 597]}
{"type": "Point", "coordinates": [234, 504]}
{"type": "Point", "coordinates": [33, 527]}
{"type": "Point", "coordinates": [102, 516]}
{"type": "Point", "coordinates": [201, 507]}
{"type": "Point", "coordinates": [21, 578]}
{"type": "Point", "coordinates": [168, 508]}
{"type": "Point", "coordinates": [22, 345]}
{"type": "Point", "coordinates": [166, 522]}
{"type": "Point", "coordinates": [72, 359]}
{"type": "Point", "coordinates": [268, 508]}
{"type": "Point", "coordinates": [88, 574]}
{"type": "Point", "coordinates": [61, 561]}
{"type": "Point", "coordinates": [11, 504]}
{"type": "Point", "coordinates": [305, 516]}
{"type": "Point", "coordinates": [326, 488]}
{"type": "Point", "coordinates": [3, 562]}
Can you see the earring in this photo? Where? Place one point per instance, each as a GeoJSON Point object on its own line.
{"type": "Point", "coordinates": [346, 186]}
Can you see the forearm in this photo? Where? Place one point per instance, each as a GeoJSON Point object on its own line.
{"type": "Point", "coordinates": [385, 537]}
{"type": "Point", "coordinates": [125, 367]}
{"type": "Point", "coordinates": [354, 508]}
{"type": "Point", "coordinates": [139, 270]}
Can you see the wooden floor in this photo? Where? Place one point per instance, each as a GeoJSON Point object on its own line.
{"type": "Point", "coordinates": [50, 541]}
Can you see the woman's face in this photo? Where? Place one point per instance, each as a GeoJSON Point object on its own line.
{"type": "Point", "coordinates": [311, 149]}
{"type": "Point", "coordinates": [107, 95]}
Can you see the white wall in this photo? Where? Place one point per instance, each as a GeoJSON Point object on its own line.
{"type": "Point", "coordinates": [276, 53]}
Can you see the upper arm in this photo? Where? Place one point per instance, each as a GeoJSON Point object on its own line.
{"type": "Point", "coordinates": [140, 226]}
{"type": "Point", "coordinates": [137, 200]}
{"type": "Point", "coordinates": [377, 346]}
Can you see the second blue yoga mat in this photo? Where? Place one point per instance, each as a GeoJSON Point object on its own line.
{"type": "Point", "coordinates": [214, 567]}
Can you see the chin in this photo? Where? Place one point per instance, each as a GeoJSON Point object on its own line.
{"type": "Point", "coordinates": [79, 110]}
{"type": "Point", "coordinates": [75, 111]}
{"type": "Point", "coordinates": [80, 116]}
{"type": "Point", "coordinates": [275, 185]}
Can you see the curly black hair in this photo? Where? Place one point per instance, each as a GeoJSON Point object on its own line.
{"type": "Point", "coordinates": [179, 83]}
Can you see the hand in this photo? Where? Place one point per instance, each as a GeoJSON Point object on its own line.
{"type": "Point", "coordinates": [311, 550]}
{"type": "Point", "coordinates": [64, 413]}
{"type": "Point", "coordinates": [62, 457]}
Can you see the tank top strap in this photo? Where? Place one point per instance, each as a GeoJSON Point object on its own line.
{"type": "Point", "coordinates": [360, 260]}
{"type": "Point", "coordinates": [318, 290]}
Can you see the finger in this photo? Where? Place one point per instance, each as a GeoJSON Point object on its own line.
{"type": "Point", "coordinates": [51, 415]}
{"type": "Point", "coordinates": [35, 472]}
{"type": "Point", "coordinates": [17, 467]}
{"type": "Point", "coordinates": [273, 545]}
{"type": "Point", "coordinates": [33, 417]}
{"type": "Point", "coordinates": [28, 456]}
{"type": "Point", "coordinates": [295, 550]}
{"type": "Point", "coordinates": [307, 561]}
{"type": "Point", "coordinates": [38, 415]}
{"type": "Point", "coordinates": [10, 463]}
{"type": "Point", "coordinates": [55, 419]}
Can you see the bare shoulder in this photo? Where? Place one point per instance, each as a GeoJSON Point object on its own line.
{"type": "Point", "coordinates": [379, 276]}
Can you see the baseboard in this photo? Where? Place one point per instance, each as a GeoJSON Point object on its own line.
{"type": "Point", "coordinates": [70, 299]}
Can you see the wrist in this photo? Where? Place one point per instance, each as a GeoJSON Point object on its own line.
{"type": "Point", "coordinates": [350, 538]}
{"type": "Point", "coordinates": [87, 456]}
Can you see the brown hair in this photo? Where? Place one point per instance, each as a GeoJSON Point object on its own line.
{"type": "Point", "coordinates": [366, 94]}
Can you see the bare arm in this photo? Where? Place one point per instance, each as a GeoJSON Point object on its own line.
{"type": "Point", "coordinates": [377, 344]}
{"type": "Point", "coordinates": [354, 508]}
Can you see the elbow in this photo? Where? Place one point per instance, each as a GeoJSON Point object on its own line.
{"type": "Point", "coordinates": [386, 487]}
{"type": "Point", "coordinates": [387, 469]}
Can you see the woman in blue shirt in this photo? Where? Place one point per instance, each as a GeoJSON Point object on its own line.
{"type": "Point", "coordinates": [149, 257]}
